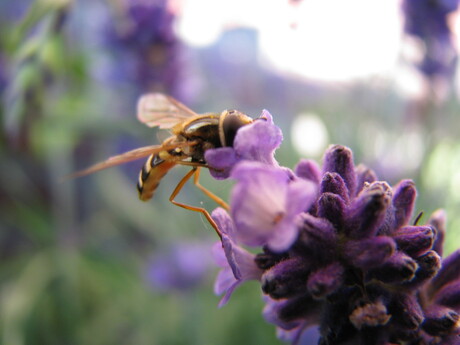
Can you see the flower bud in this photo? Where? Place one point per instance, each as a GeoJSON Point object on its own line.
{"type": "Point", "coordinates": [339, 159]}
{"type": "Point", "coordinates": [368, 210]}
{"type": "Point", "coordinates": [403, 200]}
{"type": "Point", "coordinates": [333, 183]}
{"type": "Point", "coordinates": [286, 279]}
{"type": "Point", "coordinates": [397, 269]}
{"type": "Point", "coordinates": [440, 321]}
{"type": "Point", "coordinates": [415, 240]}
{"type": "Point", "coordinates": [369, 253]}
{"type": "Point", "coordinates": [326, 280]}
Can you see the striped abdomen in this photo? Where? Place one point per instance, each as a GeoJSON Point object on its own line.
{"type": "Point", "coordinates": [152, 172]}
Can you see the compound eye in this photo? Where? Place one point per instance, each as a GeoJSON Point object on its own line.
{"type": "Point", "coordinates": [233, 121]}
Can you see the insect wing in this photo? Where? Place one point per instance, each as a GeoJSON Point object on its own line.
{"type": "Point", "coordinates": [120, 159]}
{"type": "Point", "coordinates": [128, 157]}
{"type": "Point", "coordinates": [157, 109]}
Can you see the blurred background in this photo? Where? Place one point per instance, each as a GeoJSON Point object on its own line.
{"type": "Point", "coordinates": [84, 261]}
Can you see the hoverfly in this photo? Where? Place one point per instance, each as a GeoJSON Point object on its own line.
{"type": "Point", "coordinates": [192, 135]}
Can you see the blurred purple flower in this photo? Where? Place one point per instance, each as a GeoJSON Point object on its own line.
{"type": "Point", "coordinates": [428, 21]}
{"type": "Point", "coordinates": [3, 74]}
{"type": "Point", "coordinates": [254, 142]}
{"type": "Point", "coordinates": [181, 267]}
{"type": "Point", "coordinates": [144, 46]}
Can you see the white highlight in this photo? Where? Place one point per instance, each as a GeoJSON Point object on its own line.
{"type": "Point", "coordinates": [331, 40]}
{"type": "Point", "coordinates": [309, 134]}
{"type": "Point", "coordinates": [335, 39]}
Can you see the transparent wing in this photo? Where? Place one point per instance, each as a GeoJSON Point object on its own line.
{"type": "Point", "coordinates": [128, 157]}
{"type": "Point", "coordinates": [157, 109]}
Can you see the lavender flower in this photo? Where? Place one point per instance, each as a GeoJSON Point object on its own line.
{"type": "Point", "coordinates": [428, 21]}
{"type": "Point", "coordinates": [3, 76]}
{"type": "Point", "coordinates": [266, 203]}
{"type": "Point", "coordinates": [338, 251]}
{"type": "Point", "coordinates": [269, 137]}
{"type": "Point", "coordinates": [145, 46]}
{"type": "Point", "coordinates": [181, 267]}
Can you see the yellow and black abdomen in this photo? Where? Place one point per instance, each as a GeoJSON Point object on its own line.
{"type": "Point", "coordinates": [151, 174]}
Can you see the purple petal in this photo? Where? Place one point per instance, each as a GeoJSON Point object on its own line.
{"type": "Point", "coordinates": [218, 255]}
{"type": "Point", "coordinates": [265, 115]}
{"type": "Point", "coordinates": [229, 250]}
{"type": "Point", "coordinates": [241, 262]}
{"type": "Point", "coordinates": [254, 142]}
{"type": "Point", "coordinates": [283, 235]}
{"type": "Point", "coordinates": [258, 201]}
{"type": "Point", "coordinates": [301, 195]}
{"type": "Point", "coordinates": [309, 170]}
{"type": "Point", "coordinates": [238, 266]}
{"type": "Point", "coordinates": [259, 140]}
{"type": "Point", "coordinates": [265, 203]}
{"type": "Point", "coordinates": [223, 221]}
{"type": "Point", "coordinates": [221, 161]}
{"type": "Point", "coordinates": [245, 261]}
{"type": "Point", "coordinates": [225, 283]}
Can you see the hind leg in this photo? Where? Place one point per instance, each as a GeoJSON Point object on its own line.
{"type": "Point", "coordinates": [203, 211]}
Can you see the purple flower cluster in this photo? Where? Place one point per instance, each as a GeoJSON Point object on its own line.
{"type": "Point", "coordinates": [338, 248]}
{"type": "Point", "coordinates": [181, 267]}
{"type": "Point", "coordinates": [145, 45]}
{"type": "Point", "coordinates": [428, 21]}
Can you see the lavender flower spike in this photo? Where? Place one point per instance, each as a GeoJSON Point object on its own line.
{"type": "Point", "coordinates": [266, 204]}
{"type": "Point", "coordinates": [339, 252]}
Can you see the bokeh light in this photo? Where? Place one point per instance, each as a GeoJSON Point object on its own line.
{"type": "Point", "coordinates": [309, 135]}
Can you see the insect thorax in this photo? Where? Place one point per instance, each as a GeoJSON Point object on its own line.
{"type": "Point", "coordinates": [204, 131]}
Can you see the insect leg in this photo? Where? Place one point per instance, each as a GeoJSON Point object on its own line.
{"type": "Point", "coordinates": [206, 191]}
{"type": "Point", "coordinates": [176, 191]}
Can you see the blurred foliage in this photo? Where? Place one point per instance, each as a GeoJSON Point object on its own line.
{"type": "Point", "coordinates": [74, 252]}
